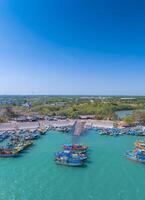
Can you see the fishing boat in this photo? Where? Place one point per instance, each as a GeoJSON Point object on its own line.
{"type": "Point", "coordinates": [6, 153]}
{"type": "Point", "coordinates": [71, 154]}
{"type": "Point", "coordinates": [140, 144]}
{"type": "Point", "coordinates": [69, 162]}
{"type": "Point", "coordinates": [32, 136]}
{"type": "Point", "coordinates": [74, 147]}
{"type": "Point", "coordinates": [27, 143]}
{"type": "Point", "coordinates": [35, 135]}
{"type": "Point", "coordinates": [42, 131]}
{"type": "Point", "coordinates": [136, 155]}
{"type": "Point", "coordinates": [80, 151]}
{"type": "Point", "coordinates": [22, 145]}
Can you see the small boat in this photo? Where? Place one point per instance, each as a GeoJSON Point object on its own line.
{"type": "Point", "coordinates": [69, 162]}
{"type": "Point", "coordinates": [80, 151]}
{"type": "Point", "coordinates": [27, 143]}
{"type": "Point", "coordinates": [22, 145]}
{"type": "Point", "coordinates": [138, 157]}
{"type": "Point", "coordinates": [74, 147]}
{"type": "Point", "coordinates": [140, 144]}
{"type": "Point", "coordinates": [32, 136]}
{"type": "Point", "coordinates": [71, 154]}
{"type": "Point", "coordinates": [8, 153]}
{"type": "Point", "coordinates": [35, 136]}
{"type": "Point", "coordinates": [42, 131]}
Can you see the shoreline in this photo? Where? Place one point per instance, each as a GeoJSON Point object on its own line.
{"type": "Point", "coordinates": [13, 126]}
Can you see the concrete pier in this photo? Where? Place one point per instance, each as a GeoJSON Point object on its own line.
{"type": "Point", "coordinates": [79, 128]}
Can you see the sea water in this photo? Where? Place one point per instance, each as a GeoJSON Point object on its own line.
{"type": "Point", "coordinates": [107, 175]}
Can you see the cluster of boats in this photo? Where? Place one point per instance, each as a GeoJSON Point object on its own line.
{"type": "Point", "coordinates": [61, 129]}
{"type": "Point", "coordinates": [72, 155]}
{"type": "Point", "coordinates": [138, 153]}
{"type": "Point", "coordinates": [121, 131]}
{"type": "Point", "coordinates": [15, 142]}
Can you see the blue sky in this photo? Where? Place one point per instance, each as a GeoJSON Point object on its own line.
{"type": "Point", "coordinates": [72, 47]}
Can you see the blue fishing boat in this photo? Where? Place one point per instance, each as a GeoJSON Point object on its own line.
{"type": "Point", "coordinates": [137, 155]}
{"type": "Point", "coordinates": [69, 162]}
{"type": "Point", "coordinates": [71, 154]}
{"type": "Point", "coordinates": [75, 147]}
{"type": "Point", "coordinates": [35, 135]}
{"type": "Point", "coordinates": [32, 136]}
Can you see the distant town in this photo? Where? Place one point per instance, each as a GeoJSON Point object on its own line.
{"type": "Point", "coordinates": [53, 108]}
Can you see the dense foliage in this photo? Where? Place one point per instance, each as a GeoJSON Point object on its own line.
{"type": "Point", "coordinates": [72, 106]}
{"type": "Point", "coordinates": [138, 117]}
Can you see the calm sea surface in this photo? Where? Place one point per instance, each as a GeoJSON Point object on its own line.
{"type": "Point", "coordinates": [107, 176]}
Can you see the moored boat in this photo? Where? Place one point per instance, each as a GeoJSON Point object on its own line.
{"type": "Point", "coordinates": [75, 147]}
{"type": "Point", "coordinates": [136, 155]}
{"type": "Point", "coordinates": [71, 154]}
{"type": "Point", "coordinates": [69, 162]}
{"type": "Point", "coordinates": [4, 153]}
{"type": "Point", "coordinates": [140, 144]}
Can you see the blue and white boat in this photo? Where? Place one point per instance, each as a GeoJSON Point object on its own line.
{"type": "Point", "coordinates": [71, 154]}
{"type": "Point", "coordinates": [136, 155]}
{"type": "Point", "coordinates": [69, 162]}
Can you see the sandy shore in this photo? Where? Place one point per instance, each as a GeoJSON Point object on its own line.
{"type": "Point", "coordinates": [11, 126]}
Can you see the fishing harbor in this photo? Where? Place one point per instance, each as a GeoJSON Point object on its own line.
{"type": "Point", "coordinates": [74, 153]}
{"type": "Point", "coordinates": [12, 143]}
{"type": "Point", "coordinates": [105, 159]}
{"type": "Point", "coordinates": [72, 100]}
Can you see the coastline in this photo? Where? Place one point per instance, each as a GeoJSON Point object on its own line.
{"type": "Point", "coordinates": [12, 126]}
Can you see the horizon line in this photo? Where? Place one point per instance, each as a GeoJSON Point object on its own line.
{"type": "Point", "coordinates": [74, 95]}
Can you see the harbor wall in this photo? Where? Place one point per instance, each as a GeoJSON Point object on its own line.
{"type": "Point", "coordinates": [59, 123]}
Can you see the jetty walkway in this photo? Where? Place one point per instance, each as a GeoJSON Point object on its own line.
{"type": "Point", "coordinates": [79, 128]}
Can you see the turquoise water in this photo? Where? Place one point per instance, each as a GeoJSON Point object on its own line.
{"type": "Point", "coordinates": [108, 175]}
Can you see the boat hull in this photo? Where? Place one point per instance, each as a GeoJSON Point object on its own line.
{"type": "Point", "coordinates": [8, 155]}
{"type": "Point", "coordinates": [69, 164]}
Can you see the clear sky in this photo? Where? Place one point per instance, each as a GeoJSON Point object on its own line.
{"type": "Point", "coordinates": [72, 47]}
